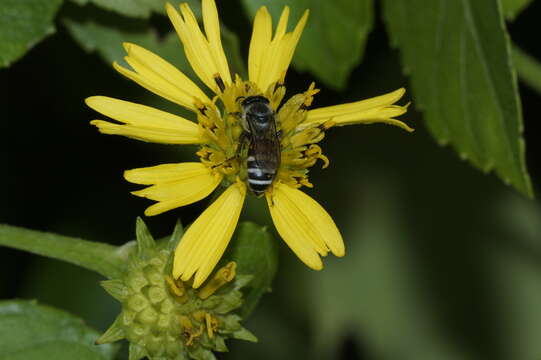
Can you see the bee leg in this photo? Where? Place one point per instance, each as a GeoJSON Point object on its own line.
{"type": "Point", "coordinates": [243, 140]}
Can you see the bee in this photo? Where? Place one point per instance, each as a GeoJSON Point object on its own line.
{"type": "Point", "coordinates": [258, 120]}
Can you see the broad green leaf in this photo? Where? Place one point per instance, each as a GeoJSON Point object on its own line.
{"type": "Point", "coordinates": [457, 54]}
{"type": "Point", "coordinates": [334, 38]}
{"type": "Point", "coordinates": [29, 331]}
{"type": "Point", "coordinates": [231, 44]}
{"type": "Point", "coordinates": [254, 250]}
{"type": "Point", "coordinates": [136, 8]}
{"type": "Point", "coordinates": [107, 41]}
{"type": "Point", "coordinates": [511, 8]}
{"type": "Point", "coordinates": [528, 68]}
{"type": "Point", "coordinates": [105, 259]}
{"type": "Point", "coordinates": [408, 291]}
{"type": "Point", "coordinates": [23, 23]}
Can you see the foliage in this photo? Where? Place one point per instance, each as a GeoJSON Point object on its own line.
{"type": "Point", "coordinates": [442, 260]}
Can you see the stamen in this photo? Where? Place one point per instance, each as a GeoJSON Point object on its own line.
{"type": "Point", "coordinates": [220, 278]}
{"type": "Point", "coordinates": [177, 288]}
{"type": "Point", "coordinates": [212, 325]}
{"type": "Point", "coordinates": [219, 82]}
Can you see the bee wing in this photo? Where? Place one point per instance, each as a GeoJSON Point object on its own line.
{"type": "Point", "coordinates": [266, 152]}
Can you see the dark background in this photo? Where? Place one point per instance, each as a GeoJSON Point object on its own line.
{"type": "Point", "coordinates": [443, 262]}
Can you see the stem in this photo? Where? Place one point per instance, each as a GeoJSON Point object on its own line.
{"type": "Point", "coordinates": [105, 259]}
{"type": "Point", "coordinates": [528, 68]}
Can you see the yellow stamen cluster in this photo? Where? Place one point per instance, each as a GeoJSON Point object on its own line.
{"type": "Point", "coordinates": [297, 140]}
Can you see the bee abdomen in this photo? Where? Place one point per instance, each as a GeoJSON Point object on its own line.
{"type": "Point", "coordinates": [259, 177]}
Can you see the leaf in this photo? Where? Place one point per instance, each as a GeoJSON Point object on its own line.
{"type": "Point", "coordinates": [333, 41]}
{"type": "Point", "coordinates": [105, 259]}
{"type": "Point", "coordinates": [106, 37]}
{"type": "Point", "coordinates": [30, 331]}
{"type": "Point", "coordinates": [107, 40]}
{"type": "Point", "coordinates": [254, 250]}
{"type": "Point", "coordinates": [458, 57]}
{"type": "Point", "coordinates": [22, 25]}
{"type": "Point", "coordinates": [528, 69]}
{"type": "Point", "coordinates": [407, 289]}
{"type": "Point", "coordinates": [230, 42]}
{"type": "Point", "coordinates": [135, 8]}
{"type": "Point", "coordinates": [511, 8]}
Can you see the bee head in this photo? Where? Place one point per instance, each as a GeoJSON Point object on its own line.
{"type": "Point", "coordinates": [257, 112]}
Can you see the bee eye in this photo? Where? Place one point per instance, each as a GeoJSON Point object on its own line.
{"type": "Point", "coordinates": [260, 110]}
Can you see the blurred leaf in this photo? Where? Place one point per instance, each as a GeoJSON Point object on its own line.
{"type": "Point", "coordinates": [30, 331]}
{"type": "Point", "coordinates": [230, 42]}
{"type": "Point", "coordinates": [333, 41]}
{"type": "Point", "coordinates": [405, 290]}
{"type": "Point", "coordinates": [135, 8]}
{"type": "Point", "coordinates": [371, 295]}
{"type": "Point", "coordinates": [105, 259]}
{"type": "Point", "coordinates": [254, 250]}
{"type": "Point", "coordinates": [457, 54]}
{"type": "Point", "coordinates": [22, 25]}
{"type": "Point", "coordinates": [107, 41]}
{"type": "Point", "coordinates": [528, 68]}
{"type": "Point", "coordinates": [511, 8]}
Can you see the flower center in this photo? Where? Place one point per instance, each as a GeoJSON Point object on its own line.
{"type": "Point", "coordinates": [250, 137]}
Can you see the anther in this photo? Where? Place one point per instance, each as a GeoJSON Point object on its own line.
{"type": "Point", "coordinates": [220, 278]}
{"type": "Point", "coordinates": [219, 82]}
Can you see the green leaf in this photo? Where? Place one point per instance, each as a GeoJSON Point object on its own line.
{"type": "Point", "coordinates": [333, 41]}
{"type": "Point", "coordinates": [22, 25]}
{"type": "Point", "coordinates": [105, 259]}
{"type": "Point", "coordinates": [136, 8]}
{"type": "Point", "coordinates": [457, 54]}
{"type": "Point", "coordinates": [30, 331]}
{"type": "Point", "coordinates": [107, 40]}
{"type": "Point", "coordinates": [408, 290]}
{"type": "Point", "coordinates": [231, 44]}
{"type": "Point", "coordinates": [145, 241]}
{"type": "Point", "coordinates": [511, 8]}
{"type": "Point", "coordinates": [528, 69]}
{"type": "Point", "coordinates": [254, 250]}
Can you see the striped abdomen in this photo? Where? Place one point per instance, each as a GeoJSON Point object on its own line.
{"type": "Point", "coordinates": [262, 165]}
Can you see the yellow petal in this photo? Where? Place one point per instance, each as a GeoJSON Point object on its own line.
{"type": "Point", "coordinates": [268, 59]}
{"type": "Point", "coordinates": [143, 122]}
{"type": "Point", "coordinates": [157, 75]}
{"type": "Point", "coordinates": [175, 185]}
{"type": "Point", "coordinates": [206, 59]}
{"type": "Point", "coordinates": [261, 38]}
{"type": "Point", "coordinates": [212, 30]}
{"type": "Point", "coordinates": [373, 110]}
{"type": "Point", "coordinates": [304, 225]}
{"type": "Point", "coordinates": [205, 241]}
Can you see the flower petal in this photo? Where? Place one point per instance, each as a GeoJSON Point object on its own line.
{"type": "Point", "coordinates": [304, 225]}
{"type": "Point", "coordinates": [157, 75]}
{"type": "Point", "coordinates": [206, 56]}
{"type": "Point", "coordinates": [374, 110]}
{"type": "Point", "coordinates": [268, 59]}
{"type": "Point", "coordinates": [212, 30]}
{"type": "Point", "coordinates": [206, 239]}
{"type": "Point", "coordinates": [261, 38]}
{"type": "Point", "coordinates": [175, 185]}
{"type": "Point", "coordinates": [143, 122]}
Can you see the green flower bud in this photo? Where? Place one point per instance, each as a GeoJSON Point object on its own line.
{"type": "Point", "coordinates": [167, 319]}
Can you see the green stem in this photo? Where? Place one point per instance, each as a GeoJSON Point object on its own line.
{"type": "Point", "coordinates": [105, 259]}
{"type": "Point", "coordinates": [528, 68]}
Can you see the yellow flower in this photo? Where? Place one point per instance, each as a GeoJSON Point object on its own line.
{"type": "Point", "coordinates": [221, 132]}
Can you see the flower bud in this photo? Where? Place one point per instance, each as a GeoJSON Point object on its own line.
{"type": "Point", "coordinates": [163, 318]}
